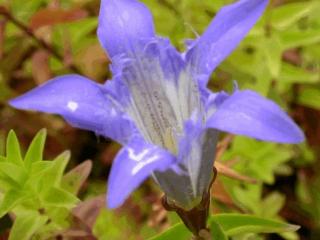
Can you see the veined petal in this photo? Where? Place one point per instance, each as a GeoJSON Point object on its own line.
{"type": "Point", "coordinates": [224, 33]}
{"type": "Point", "coordinates": [151, 77]}
{"type": "Point", "coordinates": [81, 102]}
{"type": "Point", "coordinates": [122, 25]}
{"type": "Point", "coordinates": [248, 113]}
{"type": "Point", "coordinates": [194, 170]}
{"type": "Point", "coordinates": [133, 164]}
{"type": "Point", "coordinates": [197, 152]}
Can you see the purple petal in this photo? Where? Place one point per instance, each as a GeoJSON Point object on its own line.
{"type": "Point", "coordinates": [133, 164]}
{"type": "Point", "coordinates": [248, 113]}
{"type": "Point", "coordinates": [197, 152]}
{"type": "Point", "coordinates": [150, 77]}
{"type": "Point", "coordinates": [122, 24]}
{"type": "Point", "coordinates": [194, 170]}
{"type": "Point", "coordinates": [81, 102]}
{"type": "Point", "coordinates": [224, 33]}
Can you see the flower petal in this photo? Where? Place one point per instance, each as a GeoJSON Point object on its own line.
{"type": "Point", "coordinates": [197, 153]}
{"type": "Point", "coordinates": [224, 33]}
{"type": "Point", "coordinates": [133, 164]}
{"type": "Point", "coordinates": [122, 24]}
{"type": "Point", "coordinates": [81, 102]}
{"type": "Point", "coordinates": [194, 168]}
{"type": "Point", "coordinates": [150, 77]}
{"type": "Point", "coordinates": [248, 113]}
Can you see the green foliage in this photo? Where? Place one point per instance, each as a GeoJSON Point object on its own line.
{"type": "Point", "coordinates": [123, 227]}
{"type": "Point", "coordinates": [31, 190]}
{"type": "Point", "coordinates": [223, 225]}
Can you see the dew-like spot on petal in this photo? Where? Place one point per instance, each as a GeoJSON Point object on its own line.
{"type": "Point", "coordinates": [73, 106]}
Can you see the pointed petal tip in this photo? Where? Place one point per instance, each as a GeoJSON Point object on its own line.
{"type": "Point", "coordinates": [297, 136]}
{"type": "Point", "coordinates": [122, 23]}
{"type": "Point", "coordinates": [248, 113]}
{"type": "Point", "coordinates": [113, 202]}
{"type": "Point", "coordinates": [19, 103]}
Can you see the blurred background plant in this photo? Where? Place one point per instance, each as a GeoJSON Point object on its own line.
{"type": "Point", "coordinates": [280, 59]}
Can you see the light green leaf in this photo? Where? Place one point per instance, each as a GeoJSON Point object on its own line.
{"type": "Point", "coordinates": [292, 74]}
{"type": "Point", "coordinates": [10, 200]}
{"type": "Point", "coordinates": [74, 179]}
{"type": "Point", "coordinates": [299, 38]}
{"type": "Point", "coordinates": [53, 174]}
{"type": "Point", "coordinates": [177, 232]}
{"type": "Point", "coordinates": [272, 50]}
{"type": "Point", "coordinates": [60, 198]}
{"type": "Point", "coordinates": [13, 174]}
{"type": "Point", "coordinates": [13, 149]}
{"type": "Point", "coordinates": [310, 97]}
{"type": "Point", "coordinates": [272, 204]}
{"type": "Point", "coordinates": [35, 150]}
{"type": "Point", "coordinates": [216, 230]}
{"type": "Point", "coordinates": [288, 14]}
{"type": "Point", "coordinates": [26, 225]}
{"type": "Point", "coordinates": [234, 224]}
{"type": "Point", "coordinates": [223, 225]}
{"type": "Point", "coordinates": [124, 228]}
{"type": "Point", "coordinates": [39, 168]}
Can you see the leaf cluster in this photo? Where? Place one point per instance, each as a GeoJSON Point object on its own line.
{"type": "Point", "coordinates": [32, 192]}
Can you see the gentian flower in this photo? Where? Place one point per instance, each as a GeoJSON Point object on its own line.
{"type": "Point", "coordinates": [158, 106]}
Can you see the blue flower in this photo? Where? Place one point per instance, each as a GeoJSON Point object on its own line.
{"type": "Point", "coordinates": [157, 104]}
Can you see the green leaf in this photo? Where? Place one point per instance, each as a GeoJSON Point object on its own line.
{"type": "Point", "coordinates": [216, 230]}
{"type": "Point", "coordinates": [223, 225]}
{"type": "Point", "coordinates": [11, 199]}
{"type": "Point", "coordinates": [310, 97]}
{"type": "Point", "coordinates": [299, 38]}
{"type": "Point", "coordinates": [177, 232]}
{"type": "Point", "coordinates": [13, 149]}
{"type": "Point", "coordinates": [292, 74]}
{"type": "Point", "coordinates": [53, 174]}
{"type": "Point", "coordinates": [121, 226]}
{"type": "Point", "coordinates": [272, 204]}
{"type": "Point", "coordinates": [272, 50]}
{"type": "Point", "coordinates": [39, 168]}
{"type": "Point", "coordinates": [288, 14]}
{"type": "Point", "coordinates": [35, 150]}
{"type": "Point", "coordinates": [12, 174]}
{"type": "Point", "coordinates": [60, 198]}
{"type": "Point", "coordinates": [234, 224]}
{"type": "Point", "coordinates": [26, 225]}
{"type": "Point", "coordinates": [74, 179]}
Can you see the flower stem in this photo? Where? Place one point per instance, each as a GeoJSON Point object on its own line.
{"type": "Point", "coordinates": [195, 219]}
